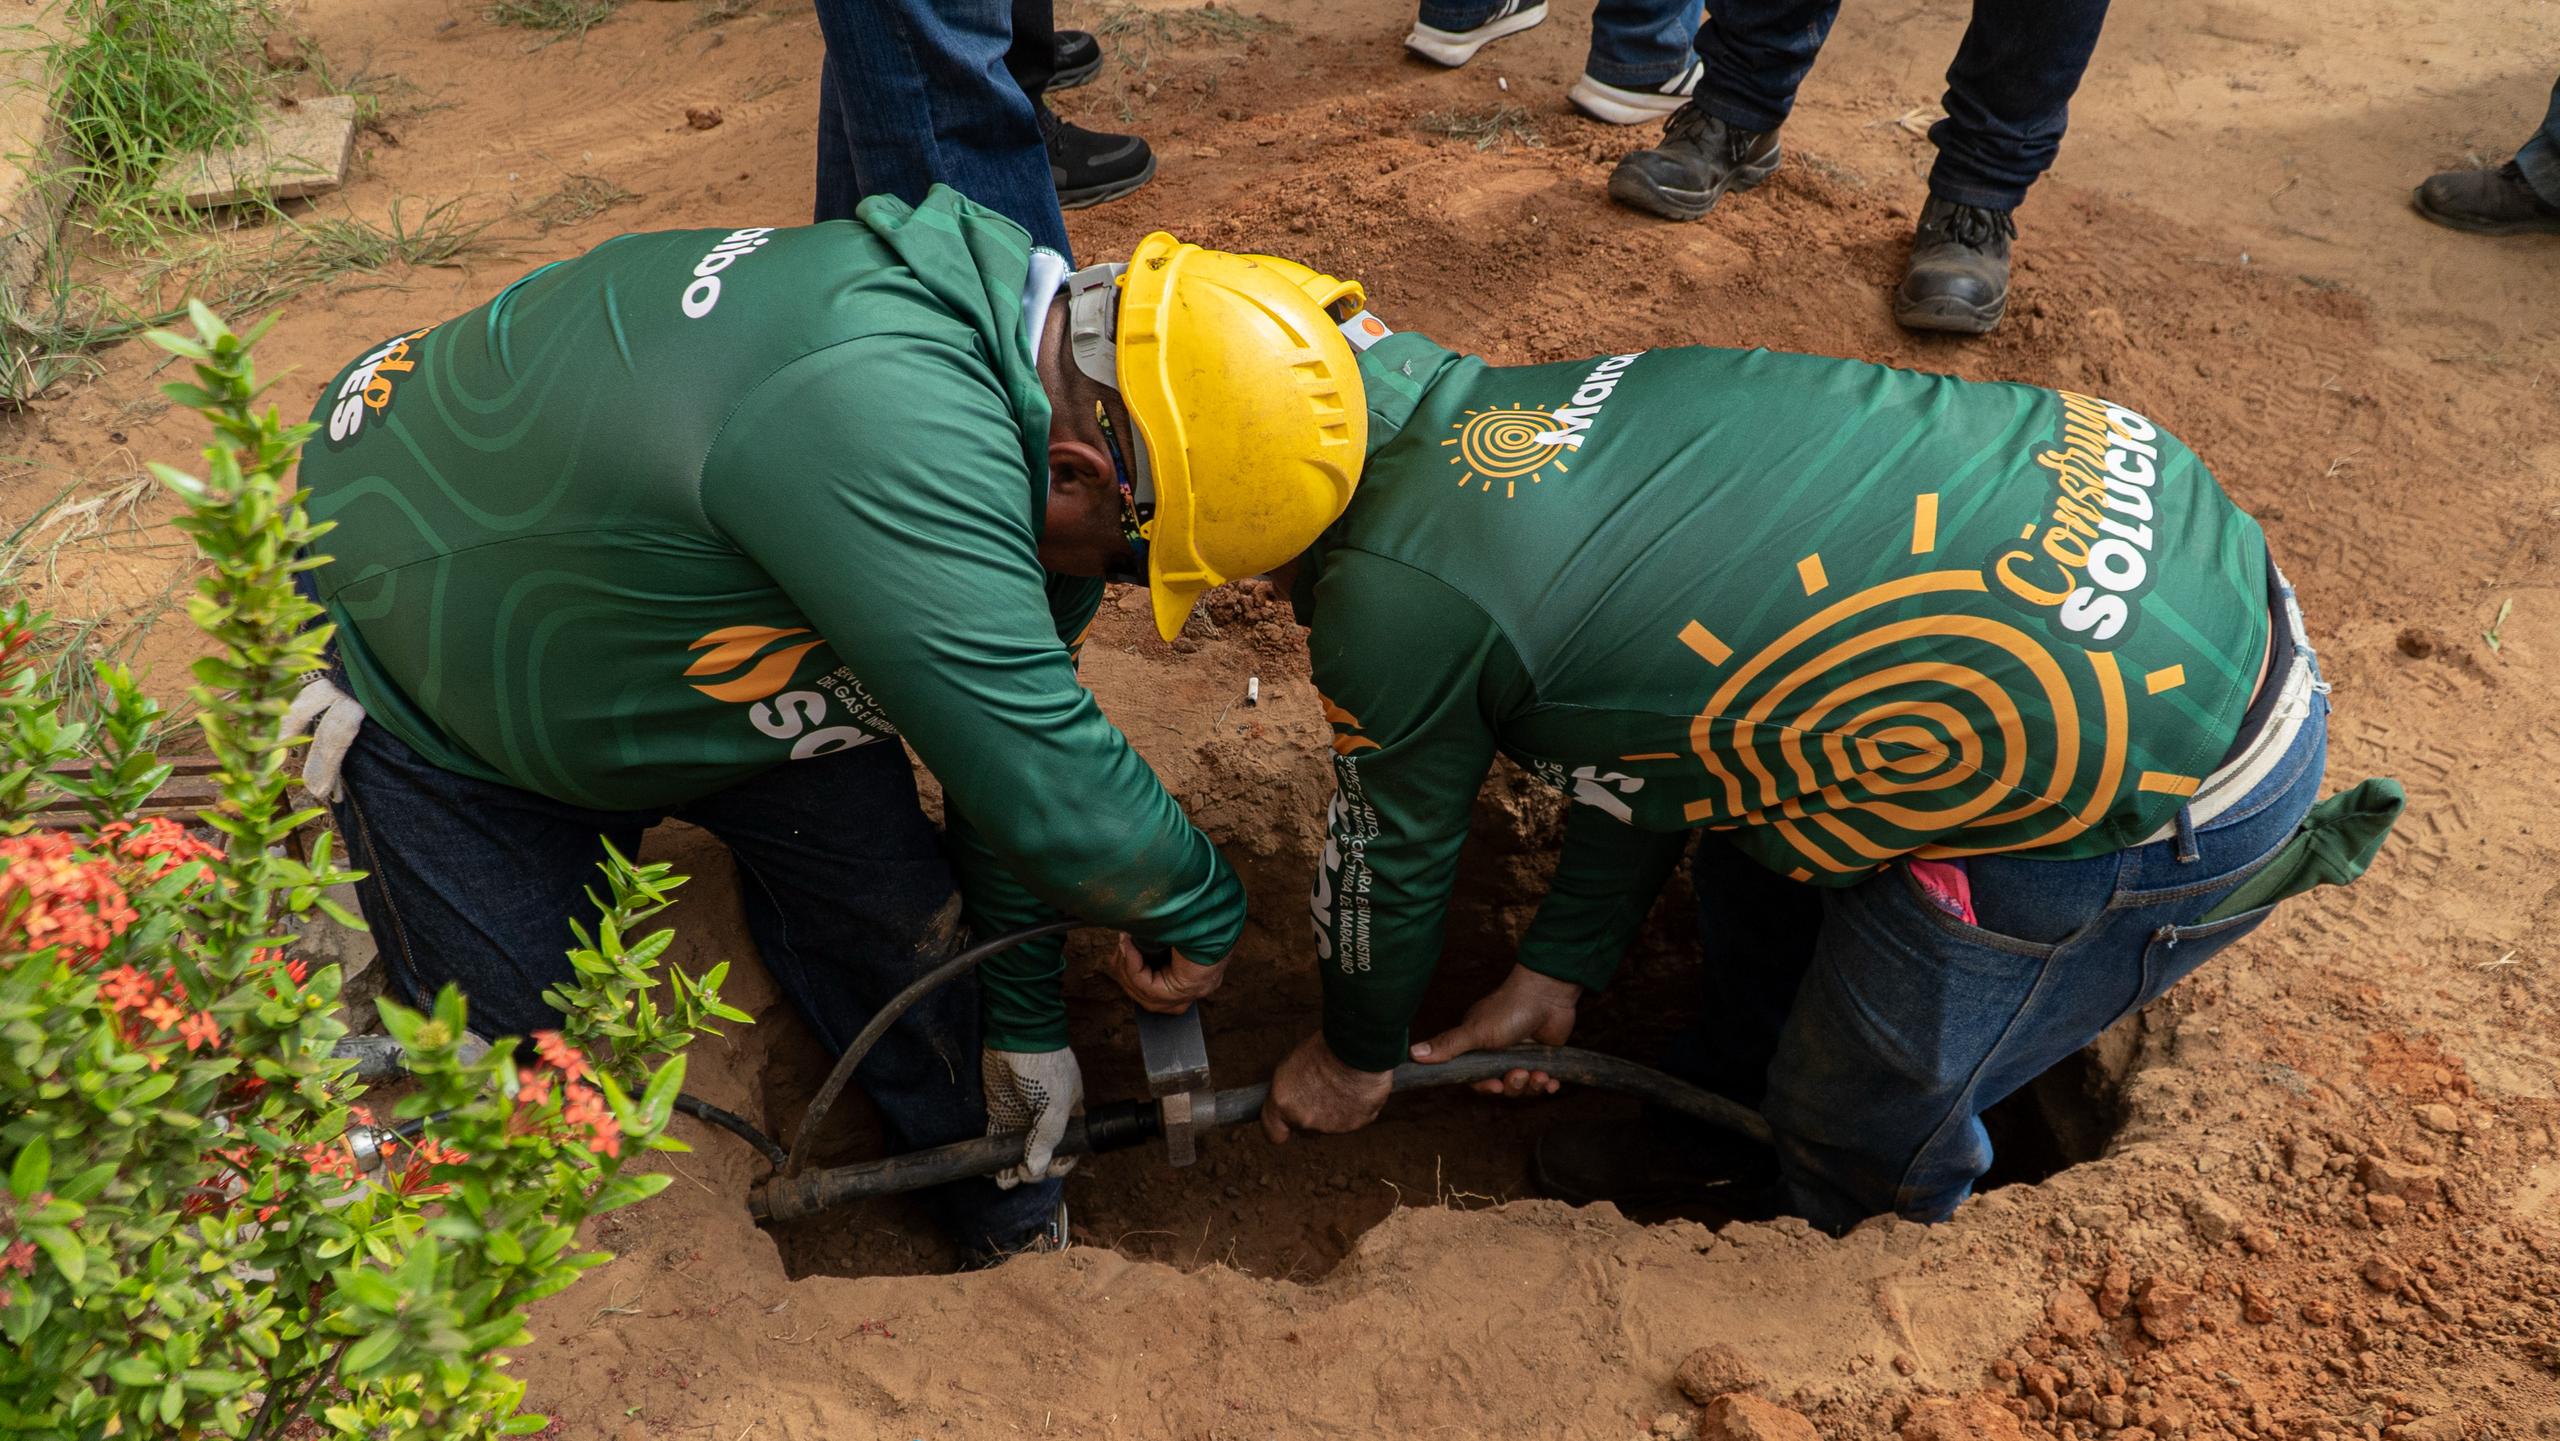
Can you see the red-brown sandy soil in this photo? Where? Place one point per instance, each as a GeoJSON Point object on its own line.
{"type": "Point", "coordinates": [2332, 1206]}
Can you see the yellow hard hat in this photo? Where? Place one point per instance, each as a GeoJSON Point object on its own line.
{"type": "Point", "coordinates": [1251, 417]}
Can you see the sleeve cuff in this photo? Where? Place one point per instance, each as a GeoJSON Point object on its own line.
{"type": "Point", "coordinates": [1590, 970]}
{"type": "Point", "coordinates": [1366, 1048]}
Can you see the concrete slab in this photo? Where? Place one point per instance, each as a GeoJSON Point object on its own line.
{"type": "Point", "coordinates": [35, 184]}
{"type": "Point", "coordinates": [296, 153]}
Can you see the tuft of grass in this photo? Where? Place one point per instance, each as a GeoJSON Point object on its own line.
{"type": "Point", "coordinates": [49, 338]}
{"type": "Point", "coordinates": [325, 250]}
{"type": "Point", "coordinates": [580, 198]}
{"type": "Point", "coordinates": [1485, 129]}
{"type": "Point", "coordinates": [144, 80]}
{"type": "Point", "coordinates": [566, 19]}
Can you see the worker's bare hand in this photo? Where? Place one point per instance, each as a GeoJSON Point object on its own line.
{"type": "Point", "coordinates": [1167, 992]}
{"type": "Point", "coordinates": [1526, 1007]}
{"type": "Point", "coordinates": [1313, 1091]}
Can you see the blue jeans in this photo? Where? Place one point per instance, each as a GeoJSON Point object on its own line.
{"type": "Point", "coordinates": [2540, 157]}
{"type": "Point", "coordinates": [1873, 1028]}
{"type": "Point", "coordinates": [842, 879]}
{"type": "Point", "coordinates": [1635, 44]}
{"type": "Point", "coordinates": [918, 91]}
{"type": "Point", "coordinates": [2008, 92]}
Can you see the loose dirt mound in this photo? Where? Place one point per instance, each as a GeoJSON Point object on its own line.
{"type": "Point", "coordinates": [2333, 1208]}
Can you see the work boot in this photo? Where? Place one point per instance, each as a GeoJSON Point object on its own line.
{"type": "Point", "coordinates": [1454, 48]}
{"type": "Point", "coordinates": [1959, 275]}
{"type": "Point", "coordinates": [1077, 58]}
{"type": "Point", "coordinates": [1090, 167]}
{"type": "Point", "coordinates": [1635, 104]}
{"type": "Point", "coordinates": [2489, 202]}
{"type": "Point", "coordinates": [1661, 1158]}
{"type": "Point", "coordinates": [1700, 158]}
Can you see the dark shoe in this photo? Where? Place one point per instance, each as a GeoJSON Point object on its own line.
{"type": "Point", "coordinates": [1659, 1159]}
{"type": "Point", "coordinates": [1454, 48]}
{"type": "Point", "coordinates": [1959, 275]}
{"type": "Point", "coordinates": [2491, 202]}
{"type": "Point", "coordinates": [1090, 167]}
{"type": "Point", "coordinates": [1079, 59]}
{"type": "Point", "coordinates": [1699, 159]}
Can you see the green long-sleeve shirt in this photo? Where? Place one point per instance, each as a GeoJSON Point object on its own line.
{"type": "Point", "coordinates": [701, 503]}
{"type": "Point", "coordinates": [1844, 613]}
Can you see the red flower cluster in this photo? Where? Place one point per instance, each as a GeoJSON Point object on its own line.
{"type": "Point", "coordinates": [160, 1003]}
{"type": "Point", "coordinates": [582, 1106]}
{"type": "Point", "coordinates": [414, 1177]}
{"type": "Point", "coordinates": [51, 894]}
{"type": "Point", "coordinates": [157, 839]}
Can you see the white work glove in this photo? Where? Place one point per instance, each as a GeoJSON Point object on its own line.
{"type": "Point", "coordinates": [1034, 1091]}
{"type": "Point", "coordinates": [338, 718]}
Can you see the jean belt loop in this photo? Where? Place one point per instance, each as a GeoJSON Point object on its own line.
{"type": "Point", "coordinates": [2188, 851]}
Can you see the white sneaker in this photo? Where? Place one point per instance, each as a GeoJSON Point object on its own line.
{"type": "Point", "coordinates": [1619, 106]}
{"type": "Point", "coordinates": [1454, 48]}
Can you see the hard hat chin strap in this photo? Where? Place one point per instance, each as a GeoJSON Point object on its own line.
{"type": "Point", "coordinates": [1093, 312]}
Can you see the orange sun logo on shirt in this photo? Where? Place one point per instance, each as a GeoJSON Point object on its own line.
{"type": "Point", "coordinates": [1506, 446]}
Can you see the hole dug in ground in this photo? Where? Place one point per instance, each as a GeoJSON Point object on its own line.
{"type": "Point", "coordinates": [1294, 1212]}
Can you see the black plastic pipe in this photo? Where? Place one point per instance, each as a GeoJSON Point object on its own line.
{"type": "Point", "coordinates": [1129, 1123]}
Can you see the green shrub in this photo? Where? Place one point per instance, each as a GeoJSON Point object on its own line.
{"type": "Point", "coordinates": [202, 1234]}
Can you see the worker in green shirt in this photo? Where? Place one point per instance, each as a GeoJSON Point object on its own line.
{"type": "Point", "coordinates": [1995, 716]}
{"type": "Point", "coordinates": [702, 524]}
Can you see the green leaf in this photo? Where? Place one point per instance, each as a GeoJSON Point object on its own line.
{"type": "Point", "coordinates": [369, 1288]}
{"type": "Point", "coordinates": [134, 1371]}
{"type": "Point", "coordinates": [523, 1423]}
{"type": "Point", "coordinates": [624, 1191]}
{"type": "Point", "coordinates": [69, 1256]}
{"type": "Point", "coordinates": [365, 1354]}
{"type": "Point", "coordinates": [659, 1101]}
{"type": "Point", "coordinates": [31, 1170]}
{"type": "Point", "coordinates": [503, 1246]}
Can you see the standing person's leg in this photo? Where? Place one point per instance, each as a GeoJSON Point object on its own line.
{"type": "Point", "coordinates": [2538, 160]}
{"type": "Point", "coordinates": [849, 899]}
{"type": "Point", "coordinates": [2520, 196]}
{"type": "Point", "coordinates": [919, 93]}
{"type": "Point", "coordinates": [1752, 55]}
{"type": "Point", "coordinates": [470, 882]}
{"type": "Point", "coordinates": [1756, 54]}
{"type": "Point", "coordinates": [1643, 63]}
{"type": "Point", "coordinates": [2008, 99]}
{"type": "Point", "coordinates": [1912, 1022]}
{"type": "Point", "coordinates": [1032, 59]}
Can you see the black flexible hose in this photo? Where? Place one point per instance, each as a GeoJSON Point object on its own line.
{"type": "Point", "coordinates": [704, 1111]}
{"type": "Point", "coordinates": [1128, 1123]}
{"type": "Point", "coordinates": [837, 1079]}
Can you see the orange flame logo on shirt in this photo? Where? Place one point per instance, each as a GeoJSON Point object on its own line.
{"type": "Point", "coordinates": [733, 646]}
{"type": "Point", "coordinates": [1345, 728]}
